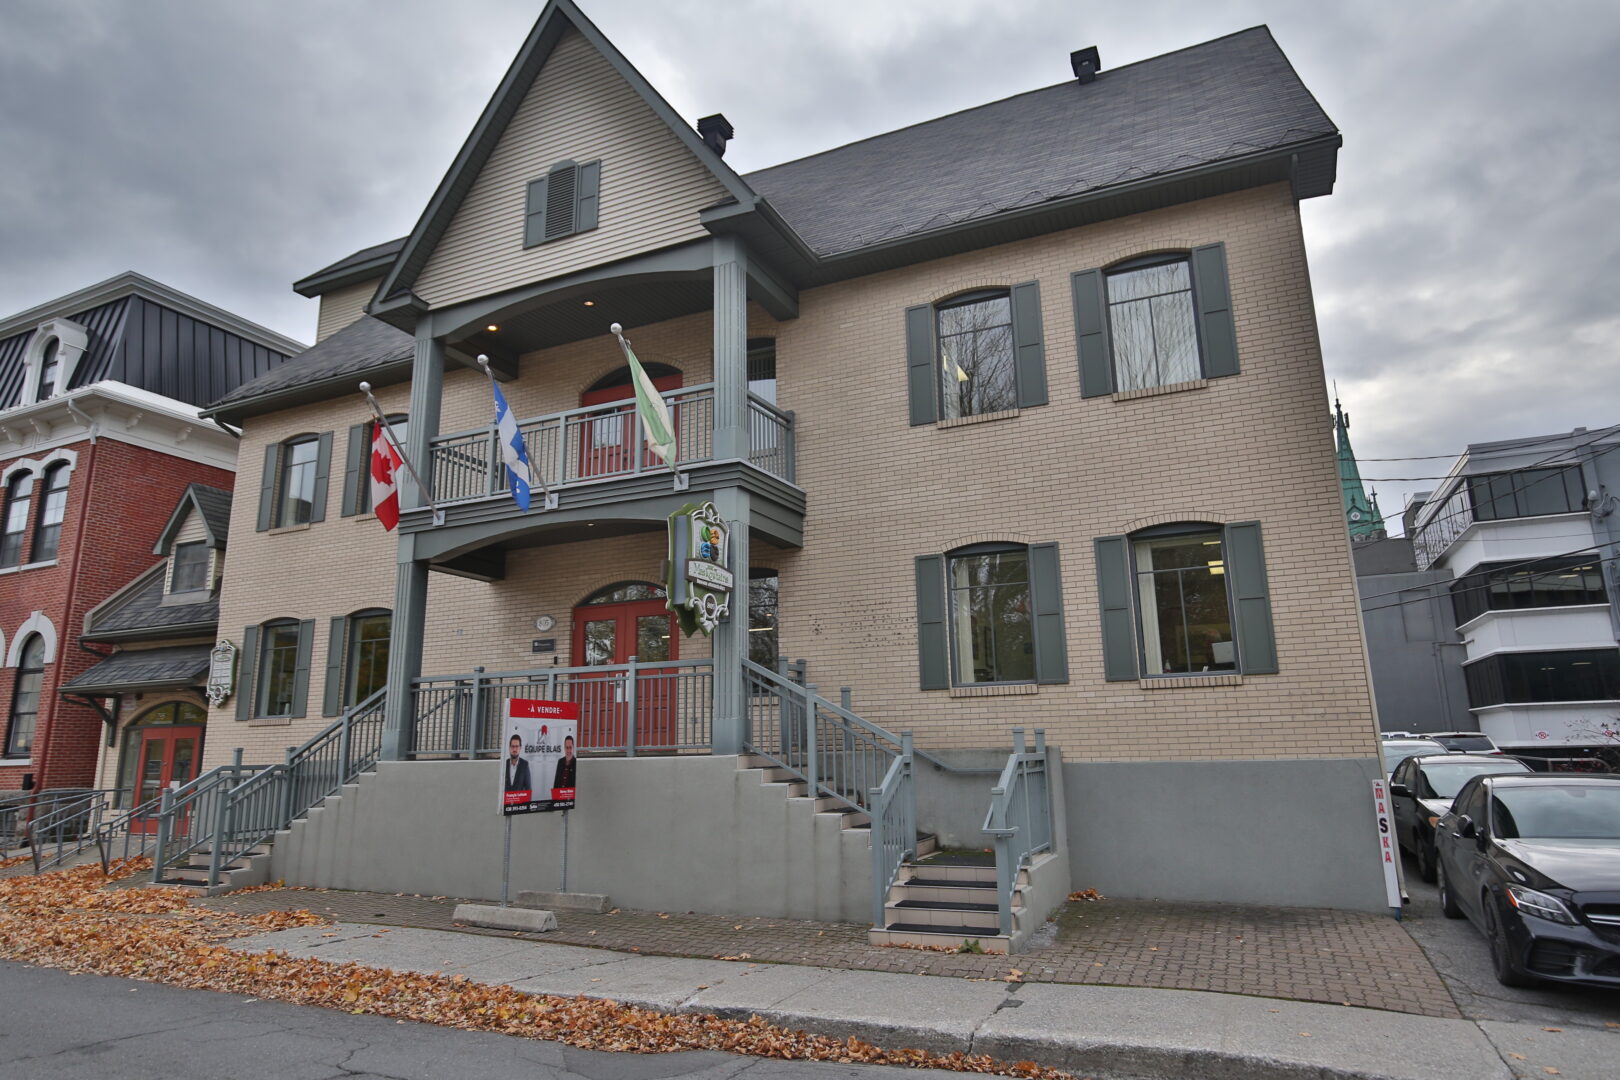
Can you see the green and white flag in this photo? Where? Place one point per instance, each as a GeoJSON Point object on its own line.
{"type": "Point", "coordinates": [650, 405]}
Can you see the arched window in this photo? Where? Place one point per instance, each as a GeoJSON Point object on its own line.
{"type": "Point", "coordinates": [278, 668]}
{"type": "Point", "coordinates": [50, 370]}
{"type": "Point", "coordinates": [25, 699]}
{"type": "Point", "coordinates": [19, 498]}
{"type": "Point", "coordinates": [1183, 608]}
{"type": "Point", "coordinates": [48, 530]}
{"type": "Point", "coordinates": [624, 592]}
{"type": "Point", "coordinates": [295, 502]}
{"type": "Point", "coordinates": [991, 619]}
{"type": "Point", "coordinates": [1150, 314]}
{"type": "Point", "coordinates": [366, 671]}
{"type": "Point", "coordinates": [976, 365]}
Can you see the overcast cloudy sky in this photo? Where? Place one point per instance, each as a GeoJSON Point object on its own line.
{"type": "Point", "coordinates": [1466, 269]}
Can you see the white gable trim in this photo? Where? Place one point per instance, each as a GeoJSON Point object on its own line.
{"type": "Point", "coordinates": [36, 623]}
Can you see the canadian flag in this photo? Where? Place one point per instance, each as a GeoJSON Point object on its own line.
{"type": "Point", "coordinates": [385, 462]}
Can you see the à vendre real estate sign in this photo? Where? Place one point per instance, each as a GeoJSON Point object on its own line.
{"type": "Point", "coordinates": [538, 767]}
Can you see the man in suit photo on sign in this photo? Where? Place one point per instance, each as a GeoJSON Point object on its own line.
{"type": "Point", "coordinates": [517, 769]}
{"type": "Point", "coordinates": [565, 766]}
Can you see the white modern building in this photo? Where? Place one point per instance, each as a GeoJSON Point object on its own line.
{"type": "Point", "coordinates": [1528, 528]}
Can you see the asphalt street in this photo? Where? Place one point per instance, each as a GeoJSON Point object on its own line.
{"type": "Point", "coordinates": [1459, 952]}
{"type": "Point", "coordinates": [57, 1026]}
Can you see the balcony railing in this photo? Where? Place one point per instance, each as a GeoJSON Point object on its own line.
{"type": "Point", "coordinates": [642, 706]}
{"type": "Point", "coordinates": [1431, 540]}
{"type": "Point", "coordinates": [604, 442]}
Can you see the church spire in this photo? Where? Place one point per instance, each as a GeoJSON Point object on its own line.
{"type": "Point", "coordinates": [1360, 513]}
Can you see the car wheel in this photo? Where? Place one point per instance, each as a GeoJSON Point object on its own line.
{"type": "Point", "coordinates": [1426, 858]}
{"type": "Point", "coordinates": [1501, 951]}
{"type": "Point", "coordinates": [1448, 903]}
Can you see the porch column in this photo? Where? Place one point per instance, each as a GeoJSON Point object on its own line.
{"type": "Point", "coordinates": [730, 348]}
{"type": "Point", "coordinates": [411, 574]}
{"type": "Point", "coordinates": [730, 641]}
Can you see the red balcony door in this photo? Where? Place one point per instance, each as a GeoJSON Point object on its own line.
{"type": "Point", "coordinates": [609, 440]}
{"type": "Point", "coordinates": [611, 633]}
{"type": "Point", "coordinates": [166, 754]}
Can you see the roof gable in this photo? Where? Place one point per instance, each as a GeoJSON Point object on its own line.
{"type": "Point", "coordinates": [556, 22]}
{"type": "Point", "coordinates": [212, 509]}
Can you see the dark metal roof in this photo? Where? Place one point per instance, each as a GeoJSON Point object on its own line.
{"type": "Point", "coordinates": [1223, 99]}
{"type": "Point", "coordinates": [185, 350]}
{"type": "Point", "coordinates": [137, 611]}
{"type": "Point", "coordinates": [363, 265]}
{"type": "Point", "coordinates": [143, 669]}
{"type": "Point", "coordinates": [366, 348]}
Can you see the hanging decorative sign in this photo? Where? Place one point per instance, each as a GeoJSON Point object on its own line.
{"type": "Point", "coordinates": [700, 585]}
{"type": "Point", "coordinates": [221, 673]}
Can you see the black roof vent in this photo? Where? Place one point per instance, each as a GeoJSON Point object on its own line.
{"type": "Point", "coordinates": [716, 131]}
{"type": "Point", "coordinates": [1085, 63]}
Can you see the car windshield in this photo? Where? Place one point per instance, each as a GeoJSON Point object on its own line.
{"type": "Point", "coordinates": [1397, 752]}
{"type": "Point", "coordinates": [1443, 779]}
{"type": "Point", "coordinates": [1466, 742]}
{"type": "Point", "coordinates": [1557, 812]}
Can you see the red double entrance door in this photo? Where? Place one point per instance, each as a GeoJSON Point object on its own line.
{"type": "Point", "coordinates": [166, 754]}
{"type": "Point", "coordinates": [611, 634]}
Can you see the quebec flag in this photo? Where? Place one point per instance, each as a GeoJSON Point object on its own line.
{"type": "Point", "coordinates": [515, 457]}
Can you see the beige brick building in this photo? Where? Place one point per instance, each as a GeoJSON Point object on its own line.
{"type": "Point", "coordinates": [1018, 417]}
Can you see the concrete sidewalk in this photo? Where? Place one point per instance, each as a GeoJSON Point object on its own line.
{"type": "Point", "coordinates": [1089, 1030]}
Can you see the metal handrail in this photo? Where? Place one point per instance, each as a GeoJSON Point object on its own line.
{"type": "Point", "coordinates": [1019, 818]}
{"type": "Point", "coordinates": [894, 827]}
{"type": "Point", "coordinates": [69, 826]}
{"type": "Point", "coordinates": [581, 411]}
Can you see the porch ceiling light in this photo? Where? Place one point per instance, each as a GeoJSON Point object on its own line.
{"type": "Point", "coordinates": [590, 303]}
{"type": "Point", "coordinates": [492, 328]}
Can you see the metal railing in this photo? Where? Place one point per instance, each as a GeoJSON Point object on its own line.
{"type": "Point", "coordinates": [894, 827]}
{"type": "Point", "coordinates": [230, 810]}
{"type": "Point", "coordinates": [1020, 817]}
{"type": "Point", "coordinates": [770, 438]}
{"type": "Point", "coordinates": [65, 825]}
{"type": "Point", "coordinates": [1430, 540]}
{"type": "Point", "coordinates": [20, 813]}
{"type": "Point", "coordinates": [641, 706]}
{"type": "Point", "coordinates": [596, 442]}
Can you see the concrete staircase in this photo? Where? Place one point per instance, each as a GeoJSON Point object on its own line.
{"type": "Point", "coordinates": [252, 867]}
{"type": "Point", "coordinates": [946, 902]}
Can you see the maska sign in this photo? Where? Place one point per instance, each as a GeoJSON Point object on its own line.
{"type": "Point", "coordinates": [537, 769]}
{"type": "Point", "coordinates": [700, 584]}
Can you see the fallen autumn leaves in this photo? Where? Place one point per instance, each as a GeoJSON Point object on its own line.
{"type": "Point", "coordinates": [68, 919]}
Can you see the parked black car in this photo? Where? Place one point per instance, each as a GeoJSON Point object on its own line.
{"type": "Point", "coordinates": [1422, 790]}
{"type": "Point", "coordinates": [1534, 862]}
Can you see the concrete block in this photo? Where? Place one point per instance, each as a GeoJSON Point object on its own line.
{"type": "Point", "coordinates": [563, 901]}
{"type": "Point", "coordinates": [531, 920]}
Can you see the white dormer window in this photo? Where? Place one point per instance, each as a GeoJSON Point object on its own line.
{"type": "Point", "coordinates": [51, 359]}
{"type": "Point", "coordinates": [190, 566]}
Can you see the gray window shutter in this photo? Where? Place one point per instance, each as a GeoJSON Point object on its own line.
{"type": "Point", "coordinates": [306, 641]}
{"type": "Point", "coordinates": [562, 184]}
{"type": "Point", "coordinates": [1046, 592]}
{"type": "Point", "coordinates": [534, 213]}
{"type": "Point", "coordinates": [355, 472]}
{"type": "Point", "coordinates": [1091, 334]}
{"type": "Point", "coordinates": [933, 657]}
{"type": "Point", "coordinates": [1029, 357]}
{"type": "Point", "coordinates": [323, 468]}
{"type": "Point", "coordinates": [1216, 333]}
{"type": "Point", "coordinates": [1251, 599]}
{"type": "Point", "coordinates": [1114, 597]}
{"type": "Point", "coordinates": [267, 486]}
{"type": "Point", "coordinates": [585, 197]}
{"type": "Point", "coordinates": [332, 702]}
{"type": "Point", "coordinates": [246, 660]}
{"type": "Point", "coordinates": [920, 364]}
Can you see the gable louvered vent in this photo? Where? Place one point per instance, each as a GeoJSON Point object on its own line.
{"type": "Point", "coordinates": [560, 188]}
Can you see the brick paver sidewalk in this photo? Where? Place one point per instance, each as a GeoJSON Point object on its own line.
{"type": "Point", "coordinates": [1338, 957]}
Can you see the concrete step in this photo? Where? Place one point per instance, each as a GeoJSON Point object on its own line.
{"type": "Point", "coordinates": [927, 844]}
{"type": "Point", "coordinates": [946, 872]}
{"type": "Point", "coordinates": [955, 918]}
{"type": "Point", "coordinates": [937, 936]}
{"type": "Point", "coordinates": [968, 892]}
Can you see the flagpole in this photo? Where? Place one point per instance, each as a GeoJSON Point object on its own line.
{"type": "Point", "coordinates": [674, 428]}
{"type": "Point", "coordinates": [534, 478]}
{"type": "Point", "coordinates": [388, 433]}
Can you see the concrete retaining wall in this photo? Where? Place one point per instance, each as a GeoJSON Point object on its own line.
{"type": "Point", "coordinates": [951, 805]}
{"type": "Point", "coordinates": [1295, 832]}
{"type": "Point", "coordinates": [659, 834]}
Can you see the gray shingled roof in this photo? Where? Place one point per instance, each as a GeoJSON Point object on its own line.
{"type": "Point", "coordinates": [215, 505]}
{"type": "Point", "coordinates": [1225, 98]}
{"type": "Point", "coordinates": [358, 348]}
{"type": "Point", "coordinates": [135, 669]}
{"type": "Point", "coordinates": [142, 608]}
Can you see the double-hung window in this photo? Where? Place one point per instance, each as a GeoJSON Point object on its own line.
{"type": "Point", "coordinates": [368, 655]}
{"type": "Point", "coordinates": [278, 669]}
{"type": "Point", "coordinates": [976, 354]}
{"type": "Point", "coordinates": [50, 370]}
{"type": "Point", "coordinates": [293, 484]}
{"type": "Point", "coordinates": [52, 509]}
{"type": "Point", "coordinates": [273, 680]}
{"type": "Point", "coordinates": [190, 567]}
{"type": "Point", "coordinates": [990, 614]}
{"type": "Point", "coordinates": [25, 699]}
{"type": "Point", "coordinates": [19, 499]}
